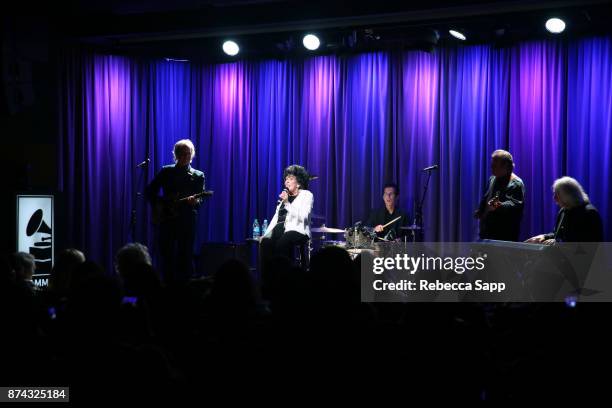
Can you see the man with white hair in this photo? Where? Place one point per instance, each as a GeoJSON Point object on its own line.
{"type": "Point", "coordinates": [577, 221]}
{"type": "Point", "coordinates": [179, 181]}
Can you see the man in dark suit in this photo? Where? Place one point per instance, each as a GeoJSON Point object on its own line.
{"type": "Point", "coordinates": [380, 217]}
{"type": "Point", "coordinates": [177, 232]}
{"type": "Point", "coordinates": [501, 208]}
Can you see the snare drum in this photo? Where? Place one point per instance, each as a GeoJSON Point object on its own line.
{"type": "Point", "coordinates": [360, 237]}
{"type": "Point", "coordinates": [340, 244]}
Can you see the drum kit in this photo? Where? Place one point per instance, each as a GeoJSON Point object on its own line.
{"type": "Point", "coordinates": [360, 238]}
{"type": "Point", "coordinates": [357, 239]}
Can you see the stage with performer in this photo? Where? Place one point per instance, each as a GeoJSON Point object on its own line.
{"type": "Point", "coordinates": [204, 194]}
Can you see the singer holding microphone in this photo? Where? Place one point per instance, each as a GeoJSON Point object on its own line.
{"type": "Point", "coordinates": [501, 207]}
{"type": "Point", "coordinates": [290, 225]}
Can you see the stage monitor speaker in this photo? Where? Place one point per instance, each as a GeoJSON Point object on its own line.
{"type": "Point", "coordinates": [214, 254]}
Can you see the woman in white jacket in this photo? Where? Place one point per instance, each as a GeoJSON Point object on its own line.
{"type": "Point", "coordinates": [290, 225]}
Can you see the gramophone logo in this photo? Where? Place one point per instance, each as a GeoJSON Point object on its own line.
{"type": "Point", "coordinates": [35, 230]}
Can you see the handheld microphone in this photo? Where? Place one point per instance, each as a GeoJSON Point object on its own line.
{"type": "Point", "coordinates": [144, 163]}
{"type": "Point", "coordinates": [280, 200]}
{"type": "Point", "coordinates": [430, 168]}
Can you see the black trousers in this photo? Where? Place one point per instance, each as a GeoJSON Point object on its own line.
{"type": "Point", "coordinates": [281, 243]}
{"type": "Point", "coordinates": [176, 239]}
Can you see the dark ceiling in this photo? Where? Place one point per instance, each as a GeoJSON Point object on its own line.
{"type": "Point", "coordinates": [273, 28]}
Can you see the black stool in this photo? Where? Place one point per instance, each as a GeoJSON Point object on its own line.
{"type": "Point", "coordinates": [302, 254]}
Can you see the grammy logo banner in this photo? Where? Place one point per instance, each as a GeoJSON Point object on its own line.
{"type": "Point", "coordinates": [35, 230]}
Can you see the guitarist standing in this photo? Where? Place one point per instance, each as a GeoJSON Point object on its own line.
{"type": "Point", "coordinates": [501, 208]}
{"type": "Point", "coordinates": [180, 183]}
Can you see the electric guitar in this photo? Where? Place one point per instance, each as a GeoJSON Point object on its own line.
{"type": "Point", "coordinates": [167, 208]}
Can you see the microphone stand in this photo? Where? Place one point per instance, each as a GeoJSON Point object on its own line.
{"type": "Point", "coordinates": [135, 196]}
{"type": "Point", "coordinates": [418, 212]}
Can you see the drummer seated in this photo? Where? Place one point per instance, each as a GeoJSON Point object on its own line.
{"type": "Point", "coordinates": [379, 219]}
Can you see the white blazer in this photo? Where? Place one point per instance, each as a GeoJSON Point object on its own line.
{"type": "Point", "coordinates": [298, 214]}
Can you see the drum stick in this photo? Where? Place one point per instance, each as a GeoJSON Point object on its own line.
{"type": "Point", "coordinates": [391, 222]}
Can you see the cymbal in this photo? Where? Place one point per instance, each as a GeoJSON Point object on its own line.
{"type": "Point", "coordinates": [412, 227]}
{"type": "Point", "coordinates": [356, 251]}
{"type": "Point", "coordinates": [334, 243]}
{"type": "Point", "coordinates": [327, 230]}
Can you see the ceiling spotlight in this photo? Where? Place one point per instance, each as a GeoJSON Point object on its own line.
{"type": "Point", "coordinates": [230, 48]}
{"type": "Point", "coordinates": [457, 34]}
{"type": "Point", "coordinates": [555, 25]}
{"type": "Point", "coordinates": [311, 42]}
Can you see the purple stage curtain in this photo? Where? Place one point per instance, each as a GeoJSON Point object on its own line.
{"type": "Point", "coordinates": [354, 121]}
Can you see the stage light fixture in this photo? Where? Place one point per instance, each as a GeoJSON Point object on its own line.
{"type": "Point", "coordinates": [457, 34]}
{"type": "Point", "coordinates": [311, 42]}
{"type": "Point", "coordinates": [231, 48]}
{"type": "Point", "coordinates": [555, 25]}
